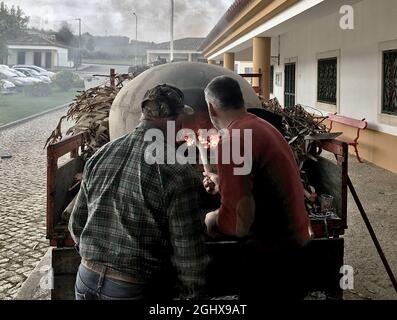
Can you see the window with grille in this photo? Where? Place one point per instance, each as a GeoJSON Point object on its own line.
{"type": "Point", "coordinates": [389, 104]}
{"type": "Point", "coordinates": [289, 85]}
{"type": "Point", "coordinates": [327, 80]}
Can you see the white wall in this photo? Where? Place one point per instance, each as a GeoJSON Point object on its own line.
{"type": "Point", "coordinates": [12, 57]}
{"type": "Point", "coordinates": [242, 65]}
{"type": "Point", "coordinates": [29, 57]}
{"type": "Point", "coordinates": [360, 59]}
{"type": "Point", "coordinates": [61, 59]}
{"type": "Point", "coordinates": [152, 55]}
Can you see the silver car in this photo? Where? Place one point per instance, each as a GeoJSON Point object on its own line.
{"type": "Point", "coordinates": [7, 87]}
{"type": "Point", "coordinates": [14, 78]}
{"type": "Point", "coordinates": [34, 74]}
{"type": "Point", "coordinates": [40, 70]}
{"type": "Point", "coordinates": [31, 80]}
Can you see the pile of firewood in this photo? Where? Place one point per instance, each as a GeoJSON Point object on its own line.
{"type": "Point", "coordinates": [90, 115]}
{"type": "Point", "coordinates": [301, 129]}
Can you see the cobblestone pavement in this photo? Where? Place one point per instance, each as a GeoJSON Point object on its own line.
{"type": "Point", "coordinates": [377, 190]}
{"type": "Point", "coordinates": [23, 200]}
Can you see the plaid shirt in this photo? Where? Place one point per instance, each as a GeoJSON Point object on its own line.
{"type": "Point", "coordinates": [139, 218]}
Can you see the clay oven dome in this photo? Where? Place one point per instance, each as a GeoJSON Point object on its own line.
{"type": "Point", "coordinates": [191, 78]}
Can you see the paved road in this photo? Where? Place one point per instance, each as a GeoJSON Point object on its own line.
{"type": "Point", "coordinates": [88, 71]}
{"type": "Point", "coordinates": [23, 200]}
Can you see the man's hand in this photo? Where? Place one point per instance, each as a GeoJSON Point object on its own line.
{"type": "Point", "coordinates": [211, 221]}
{"type": "Point", "coordinates": [211, 183]}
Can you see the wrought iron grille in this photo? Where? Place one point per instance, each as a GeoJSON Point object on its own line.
{"type": "Point", "coordinates": [289, 94]}
{"type": "Point", "coordinates": [389, 104]}
{"type": "Point", "coordinates": [327, 80]}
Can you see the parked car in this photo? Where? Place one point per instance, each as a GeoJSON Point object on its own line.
{"type": "Point", "coordinates": [40, 70]}
{"type": "Point", "coordinates": [7, 87]}
{"type": "Point", "coordinates": [27, 78]}
{"type": "Point", "coordinates": [5, 67]}
{"type": "Point", "coordinates": [21, 77]}
{"type": "Point", "coordinates": [14, 78]}
{"type": "Point", "coordinates": [34, 74]}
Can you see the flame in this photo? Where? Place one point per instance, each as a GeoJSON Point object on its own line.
{"type": "Point", "coordinates": [190, 142]}
{"type": "Point", "coordinates": [210, 142]}
{"type": "Point", "coordinates": [214, 141]}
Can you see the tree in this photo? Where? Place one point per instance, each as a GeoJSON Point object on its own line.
{"type": "Point", "coordinates": [88, 41]}
{"type": "Point", "coordinates": [12, 23]}
{"type": "Point", "coordinates": [65, 35]}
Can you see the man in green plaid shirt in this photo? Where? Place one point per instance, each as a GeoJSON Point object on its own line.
{"type": "Point", "coordinates": [138, 226]}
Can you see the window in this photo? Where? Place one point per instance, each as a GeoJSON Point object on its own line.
{"type": "Point", "coordinates": [248, 70]}
{"type": "Point", "coordinates": [289, 85]}
{"type": "Point", "coordinates": [271, 79]}
{"type": "Point", "coordinates": [327, 80]}
{"type": "Point", "coordinates": [389, 103]}
{"type": "Point", "coordinates": [21, 57]}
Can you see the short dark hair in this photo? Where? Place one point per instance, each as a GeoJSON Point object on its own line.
{"type": "Point", "coordinates": [225, 92]}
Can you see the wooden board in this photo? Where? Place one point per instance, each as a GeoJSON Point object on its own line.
{"type": "Point", "coordinates": [64, 178]}
{"type": "Point", "coordinates": [65, 263]}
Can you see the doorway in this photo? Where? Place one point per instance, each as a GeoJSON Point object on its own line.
{"type": "Point", "coordinates": [48, 60]}
{"type": "Point", "coordinates": [21, 59]}
{"type": "Point", "coordinates": [37, 59]}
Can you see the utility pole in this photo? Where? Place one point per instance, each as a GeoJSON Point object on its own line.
{"type": "Point", "coordinates": [80, 58]}
{"type": "Point", "coordinates": [172, 32]}
{"type": "Point", "coordinates": [136, 37]}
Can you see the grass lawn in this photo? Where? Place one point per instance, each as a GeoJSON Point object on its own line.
{"type": "Point", "coordinates": [19, 106]}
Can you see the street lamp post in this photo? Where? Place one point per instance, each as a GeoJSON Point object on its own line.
{"type": "Point", "coordinates": [79, 59]}
{"type": "Point", "coordinates": [136, 37]}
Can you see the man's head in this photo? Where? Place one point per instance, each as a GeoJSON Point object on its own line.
{"type": "Point", "coordinates": [164, 102]}
{"type": "Point", "coordinates": [225, 100]}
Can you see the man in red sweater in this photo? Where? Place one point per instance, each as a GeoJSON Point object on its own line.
{"type": "Point", "coordinates": [264, 206]}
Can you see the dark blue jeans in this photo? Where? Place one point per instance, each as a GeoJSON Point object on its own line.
{"type": "Point", "coordinates": [94, 286]}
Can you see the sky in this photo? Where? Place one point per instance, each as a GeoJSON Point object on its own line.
{"type": "Point", "coordinates": [193, 18]}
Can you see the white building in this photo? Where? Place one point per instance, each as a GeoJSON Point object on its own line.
{"type": "Point", "coordinates": [36, 49]}
{"type": "Point", "coordinates": [185, 49]}
{"type": "Point", "coordinates": [334, 55]}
